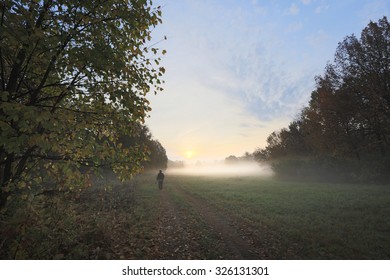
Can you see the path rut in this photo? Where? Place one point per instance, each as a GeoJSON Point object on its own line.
{"type": "Point", "coordinates": [191, 228]}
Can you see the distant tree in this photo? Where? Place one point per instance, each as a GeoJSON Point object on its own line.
{"type": "Point", "coordinates": [261, 155]}
{"type": "Point", "coordinates": [142, 139]}
{"type": "Point", "coordinates": [247, 157]}
{"type": "Point", "coordinates": [157, 156]}
{"type": "Point", "coordinates": [73, 79]}
{"type": "Point", "coordinates": [231, 159]}
{"type": "Point", "coordinates": [175, 164]}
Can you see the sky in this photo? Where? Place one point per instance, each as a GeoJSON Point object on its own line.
{"type": "Point", "coordinates": [238, 70]}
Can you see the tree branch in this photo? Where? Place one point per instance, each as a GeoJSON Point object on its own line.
{"type": "Point", "coordinates": [1, 52]}
{"type": "Point", "coordinates": [64, 93]}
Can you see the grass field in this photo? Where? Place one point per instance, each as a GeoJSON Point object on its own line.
{"type": "Point", "coordinates": [315, 220]}
{"type": "Point", "coordinates": [199, 217]}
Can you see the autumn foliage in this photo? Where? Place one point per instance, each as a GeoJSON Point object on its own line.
{"type": "Point", "coordinates": [344, 132]}
{"type": "Point", "coordinates": [73, 78]}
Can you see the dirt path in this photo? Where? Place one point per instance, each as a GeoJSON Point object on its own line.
{"type": "Point", "coordinates": [190, 228]}
{"type": "Point", "coordinates": [176, 239]}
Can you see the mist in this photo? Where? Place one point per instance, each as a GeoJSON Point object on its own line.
{"type": "Point", "coordinates": [223, 169]}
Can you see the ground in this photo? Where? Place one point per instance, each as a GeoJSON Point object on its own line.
{"type": "Point", "coordinates": [202, 218]}
{"type": "Point", "coordinates": [184, 231]}
{"type": "Point", "coordinates": [191, 228]}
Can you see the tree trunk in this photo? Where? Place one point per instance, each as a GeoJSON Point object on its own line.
{"type": "Point", "coordinates": [7, 176]}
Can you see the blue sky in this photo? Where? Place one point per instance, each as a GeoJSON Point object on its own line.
{"type": "Point", "coordinates": [239, 70]}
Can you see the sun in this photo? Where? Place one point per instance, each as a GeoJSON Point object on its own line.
{"type": "Point", "coordinates": [189, 154]}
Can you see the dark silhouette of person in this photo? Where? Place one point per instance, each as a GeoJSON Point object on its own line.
{"type": "Point", "coordinates": [160, 179]}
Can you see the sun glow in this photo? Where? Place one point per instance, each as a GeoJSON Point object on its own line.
{"type": "Point", "coordinates": [189, 154]}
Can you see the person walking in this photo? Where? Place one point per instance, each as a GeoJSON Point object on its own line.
{"type": "Point", "coordinates": [160, 179]}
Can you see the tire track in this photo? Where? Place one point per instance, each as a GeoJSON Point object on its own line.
{"type": "Point", "coordinates": [174, 229]}
{"type": "Point", "coordinates": [191, 228]}
{"type": "Point", "coordinates": [224, 226]}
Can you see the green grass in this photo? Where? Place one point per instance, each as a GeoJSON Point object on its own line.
{"type": "Point", "coordinates": [295, 220]}
{"type": "Point", "coordinates": [336, 221]}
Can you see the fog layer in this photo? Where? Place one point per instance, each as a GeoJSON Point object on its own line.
{"type": "Point", "coordinates": [223, 169]}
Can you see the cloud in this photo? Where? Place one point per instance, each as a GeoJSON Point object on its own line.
{"type": "Point", "coordinates": [231, 78]}
{"type": "Point", "coordinates": [238, 70]}
{"type": "Point", "coordinates": [318, 39]}
{"type": "Point", "coordinates": [252, 125]}
{"type": "Point", "coordinates": [374, 10]}
{"type": "Point", "coordinates": [321, 9]}
{"type": "Point", "coordinates": [293, 9]}
{"type": "Point", "coordinates": [259, 9]}
{"type": "Point", "coordinates": [246, 63]}
{"type": "Point", "coordinates": [294, 27]}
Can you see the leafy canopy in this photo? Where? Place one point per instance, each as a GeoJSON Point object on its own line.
{"type": "Point", "coordinates": [73, 78]}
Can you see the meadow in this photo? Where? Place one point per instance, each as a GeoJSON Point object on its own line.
{"type": "Point", "coordinates": [311, 220]}
{"type": "Point", "coordinates": [204, 217]}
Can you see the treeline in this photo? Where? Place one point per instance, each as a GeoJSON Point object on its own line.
{"type": "Point", "coordinates": [156, 156]}
{"type": "Point", "coordinates": [344, 132]}
{"type": "Point", "coordinates": [74, 79]}
{"type": "Point", "coordinates": [232, 159]}
{"type": "Point", "coordinates": [74, 82]}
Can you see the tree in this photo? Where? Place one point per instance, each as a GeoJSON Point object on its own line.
{"type": "Point", "coordinates": [354, 92]}
{"type": "Point", "coordinates": [231, 160]}
{"type": "Point", "coordinates": [73, 77]}
{"type": "Point", "coordinates": [346, 126]}
{"type": "Point", "coordinates": [157, 156]}
{"type": "Point", "coordinates": [358, 85]}
{"type": "Point", "coordinates": [284, 143]}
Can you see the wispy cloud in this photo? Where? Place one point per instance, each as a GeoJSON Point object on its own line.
{"type": "Point", "coordinates": [236, 72]}
{"type": "Point", "coordinates": [374, 9]}
{"type": "Point", "coordinates": [227, 74]}
{"type": "Point", "coordinates": [293, 9]}
{"type": "Point", "coordinates": [306, 2]}
{"type": "Point", "coordinates": [321, 9]}
{"type": "Point", "coordinates": [319, 38]}
{"type": "Point", "coordinates": [295, 26]}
